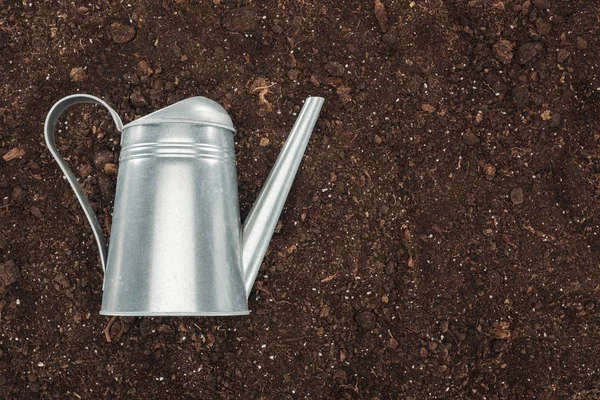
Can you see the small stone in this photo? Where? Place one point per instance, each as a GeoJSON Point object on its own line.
{"type": "Point", "coordinates": [381, 16]}
{"type": "Point", "coordinates": [334, 68]}
{"type": "Point", "coordinates": [470, 139]}
{"type": "Point", "coordinates": [378, 139]}
{"type": "Point", "coordinates": [36, 212]}
{"type": "Point", "coordinates": [423, 352]}
{"type": "Point", "coordinates": [138, 100]}
{"type": "Point", "coordinates": [62, 280]}
{"type": "Point", "coordinates": [240, 19]}
{"type": "Point", "coordinates": [546, 115]}
{"type": "Point", "coordinates": [503, 50]}
{"type": "Point", "coordinates": [145, 68]}
{"type": "Point", "coordinates": [563, 54]}
{"type": "Point", "coordinates": [490, 172]}
{"type": "Point", "coordinates": [543, 27]}
{"type": "Point", "coordinates": [18, 194]}
{"type": "Point", "coordinates": [581, 43]}
{"type": "Point", "coordinates": [427, 108]}
{"type": "Point", "coordinates": [516, 195]}
{"type": "Point", "coordinates": [384, 209]}
{"type": "Point", "coordinates": [343, 93]}
{"type": "Point", "coordinates": [264, 142]}
{"type": "Point", "coordinates": [77, 74]}
{"type": "Point", "coordinates": [111, 169]}
{"type": "Point", "coordinates": [13, 153]}
{"type": "Point", "coordinates": [366, 320]}
{"type": "Point", "coordinates": [413, 85]}
{"type": "Point", "coordinates": [9, 273]}
{"type": "Point", "coordinates": [341, 376]}
{"type": "Point", "coordinates": [527, 52]}
{"type": "Point", "coordinates": [121, 33]}
{"type": "Point", "coordinates": [444, 326]}
{"type": "Point", "coordinates": [432, 345]}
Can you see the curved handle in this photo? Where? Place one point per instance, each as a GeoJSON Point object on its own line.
{"type": "Point", "coordinates": [55, 112]}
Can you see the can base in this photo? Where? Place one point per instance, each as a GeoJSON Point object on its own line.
{"type": "Point", "coordinates": [174, 313]}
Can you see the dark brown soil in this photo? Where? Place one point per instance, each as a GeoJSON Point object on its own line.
{"type": "Point", "coordinates": [441, 239]}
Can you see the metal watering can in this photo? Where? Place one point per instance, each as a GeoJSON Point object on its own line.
{"type": "Point", "coordinates": [177, 245]}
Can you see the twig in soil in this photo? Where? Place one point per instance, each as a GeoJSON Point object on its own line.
{"type": "Point", "coordinates": [263, 91]}
{"type": "Point", "coordinates": [107, 329]}
{"type": "Point", "coordinates": [259, 287]}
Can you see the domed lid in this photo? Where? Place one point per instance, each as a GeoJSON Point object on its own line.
{"type": "Point", "coordinates": [195, 110]}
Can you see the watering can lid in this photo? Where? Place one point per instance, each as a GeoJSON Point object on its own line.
{"type": "Point", "coordinates": [195, 110]}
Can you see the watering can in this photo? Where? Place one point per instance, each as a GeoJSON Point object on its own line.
{"type": "Point", "coordinates": [177, 245]}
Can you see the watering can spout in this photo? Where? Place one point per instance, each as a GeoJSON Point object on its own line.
{"type": "Point", "coordinates": [260, 223]}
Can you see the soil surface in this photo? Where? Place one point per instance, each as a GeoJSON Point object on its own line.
{"type": "Point", "coordinates": [441, 239]}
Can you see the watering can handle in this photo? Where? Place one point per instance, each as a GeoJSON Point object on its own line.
{"type": "Point", "coordinates": [49, 127]}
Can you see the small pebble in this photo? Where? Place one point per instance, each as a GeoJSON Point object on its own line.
{"type": "Point", "coordinates": [444, 326]}
{"type": "Point", "coordinates": [77, 74]}
{"type": "Point", "coordinates": [121, 33]}
{"type": "Point", "coordinates": [36, 212]}
{"type": "Point", "coordinates": [562, 55]}
{"type": "Point", "coordinates": [503, 50]}
{"type": "Point", "coordinates": [490, 172]}
{"type": "Point", "coordinates": [138, 100]}
{"type": "Point", "coordinates": [111, 169]}
{"type": "Point", "coordinates": [516, 195]}
{"type": "Point", "coordinates": [145, 68]}
{"type": "Point", "coordinates": [9, 273]}
{"type": "Point", "coordinates": [470, 139]}
{"type": "Point", "coordinates": [334, 68]}
{"type": "Point", "coordinates": [527, 52]}
{"type": "Point", "coordinates": [581, 43]}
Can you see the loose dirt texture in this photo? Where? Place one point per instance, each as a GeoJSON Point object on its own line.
{"type": "Point", "coordinates": [440, 241]}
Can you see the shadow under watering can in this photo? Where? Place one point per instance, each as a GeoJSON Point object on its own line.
{"type": "Point", "coordinates": [177, 245]}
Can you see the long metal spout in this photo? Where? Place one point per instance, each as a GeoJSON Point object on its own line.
{"type": "Point", "coordinates": [260, 223]}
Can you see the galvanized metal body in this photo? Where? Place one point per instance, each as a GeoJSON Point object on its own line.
{"type": "Point", "coordinates": [177, 245]}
